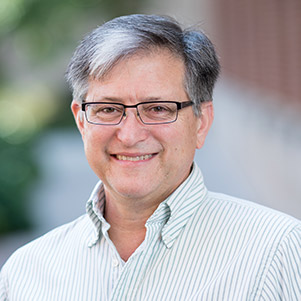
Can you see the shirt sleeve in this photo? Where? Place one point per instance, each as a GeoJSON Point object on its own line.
{"type": "Point", "coordinates": [283, 280]}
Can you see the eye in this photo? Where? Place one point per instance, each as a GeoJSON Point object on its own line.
{"type": "Point", "coordinates": [158, 108]}
{"type": "Point", "coordinates": [106, 109]}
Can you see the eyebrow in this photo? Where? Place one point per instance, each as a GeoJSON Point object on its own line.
{"type": "Point", "coordinates": [120, 100]}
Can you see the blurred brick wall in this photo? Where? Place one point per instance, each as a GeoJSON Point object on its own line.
{"type": "Point", "coordinates": [259, 41]}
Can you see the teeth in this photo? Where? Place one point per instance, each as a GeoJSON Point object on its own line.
{"type": "Point", "coordinates": [137, 158]}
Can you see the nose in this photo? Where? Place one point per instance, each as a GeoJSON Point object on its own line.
{"type": "Point", "coordinates": [131, 130]}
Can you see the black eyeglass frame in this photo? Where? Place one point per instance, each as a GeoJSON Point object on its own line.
{"type": "Point", "coordinates": [180, 105]}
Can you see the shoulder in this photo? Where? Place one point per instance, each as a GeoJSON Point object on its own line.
{"type": "Point", "coordinates": [77, 228]}
{"type": "Point", "coordinates": [250, 222]}
{"type": "Point", "coordinates": [250, 210]}
{"type": "Point", "coordinates": [46, 257]}
{"type": "Point", "coordinates": [269, 241]}
{"type": "Point", "coordinates": [54, 242]}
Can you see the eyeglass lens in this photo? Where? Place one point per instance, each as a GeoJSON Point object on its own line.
{"type": "Point", "coordinates": [149, 113]}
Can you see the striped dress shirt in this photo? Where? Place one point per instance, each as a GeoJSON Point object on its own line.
{"type": "Point", "coordinates": [199, 245]}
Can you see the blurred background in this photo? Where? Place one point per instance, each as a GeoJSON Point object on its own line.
{"type": "Point", "coordinates": [253, 150]}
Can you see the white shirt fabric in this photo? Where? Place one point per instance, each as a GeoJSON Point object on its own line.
{"type": "Point", "coordinates": [199, 245]}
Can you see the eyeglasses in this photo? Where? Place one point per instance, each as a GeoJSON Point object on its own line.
{"type": "Point", "coordinates": [152, 112]}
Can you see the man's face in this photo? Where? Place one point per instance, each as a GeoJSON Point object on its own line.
{"type": "Point", "coordinates": [165, 152]}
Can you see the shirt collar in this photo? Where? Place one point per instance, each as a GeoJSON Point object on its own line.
{"type": "Point", "coordinates": [183, 203]}
{"type": "Point", "coordinates": [174, 212]}
{"type": "Point", "coordinates": [94, 209]}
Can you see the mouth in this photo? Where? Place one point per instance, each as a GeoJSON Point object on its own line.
{"type": "Point", "coordinates": [134, 158]}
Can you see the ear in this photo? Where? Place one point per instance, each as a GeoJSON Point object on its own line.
{"type": "Point", "coordinates": [78, 115]}
{"type": "Point", "coordinates": [204, 123]}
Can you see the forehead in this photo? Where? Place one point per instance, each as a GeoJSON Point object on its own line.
{"type": "Point", "coordinates": [156, 73]}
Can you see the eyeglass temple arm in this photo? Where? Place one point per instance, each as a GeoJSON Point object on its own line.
{"type": "Point", "coordinates": [182, 105]}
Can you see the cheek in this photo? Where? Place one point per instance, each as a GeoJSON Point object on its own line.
{"type": "Point", "coordinates": [96, 136]}
{"type": "Point", "coordinates": [95, 143]}
{"type": "Point", "coordinates": [178, 141]}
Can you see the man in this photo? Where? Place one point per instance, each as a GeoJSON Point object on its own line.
{"type": "Point", "coordinates": [142, 101]}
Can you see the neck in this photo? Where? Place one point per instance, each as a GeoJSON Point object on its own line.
{"type": "Point", "coordinates": [127, 221]}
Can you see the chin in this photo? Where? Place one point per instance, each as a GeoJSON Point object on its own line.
{"type": "Point", "coordinates": [132, 193]}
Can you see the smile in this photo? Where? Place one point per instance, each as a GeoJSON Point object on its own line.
{"type": "Point", "coordinates": [135, 158]}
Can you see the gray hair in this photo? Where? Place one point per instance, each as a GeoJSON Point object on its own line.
{"type": "Point", "coordinates": [124, 36]}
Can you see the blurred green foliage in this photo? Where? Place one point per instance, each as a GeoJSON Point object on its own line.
{"type": "Point", "coordinates": [18, 170]}
{"type": "Point", "coordinates": [37, 38]}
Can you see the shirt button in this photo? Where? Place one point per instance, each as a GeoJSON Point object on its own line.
{"type": "Point", "coordinates": [115, 262]}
